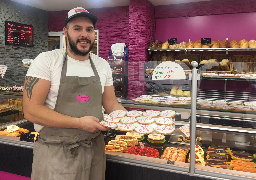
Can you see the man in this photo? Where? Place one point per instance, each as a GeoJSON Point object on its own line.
{"type": "Point", "coordinates": [65, 90]}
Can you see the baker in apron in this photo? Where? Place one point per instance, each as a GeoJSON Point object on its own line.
{"type": "Point", "coordinates": [73, 154]}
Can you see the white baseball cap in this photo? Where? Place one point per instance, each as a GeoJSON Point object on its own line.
{"type": "Point", "coordinates": [80, 12]}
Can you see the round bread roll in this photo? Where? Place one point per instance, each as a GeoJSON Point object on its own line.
{"type": "Point", "coordinates": [174, 46]}
{"type": "Point", "coordinates": [165, 45]}
{"type": "Point", "coordinates": [198, 44]}
{"type": "Point", "coordinates": [215, 44]}
{"type": "Point", "coordinates": [152, 45]}
{"type": "Point", "coordinates": [234, 44]}
{"type": "Point", "coordinates": [243, 43]}
{"type": "Point", "coordinates": [183, 44]}
{"type": "Point", "coordinates": [252, 44]}
{"type": "Point", "coordinates": [159, 45]}
{"type": "Point", "coordinates": [190, 44]}
{"type": "Point", "coordinates": [224, 65]}
{"type": "Point", "coordinates": [206, 46]}
{"type": "Point", "coordinates": [224, 44]}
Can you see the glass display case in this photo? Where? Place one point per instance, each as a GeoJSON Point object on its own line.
{"type": "Point", "coordinates": [225, 136]}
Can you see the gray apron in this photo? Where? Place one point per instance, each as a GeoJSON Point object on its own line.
{"type": "Point", "coordinates": [72, 154]}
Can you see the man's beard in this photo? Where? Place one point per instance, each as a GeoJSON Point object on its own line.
{"type": "Point", "coordinates": [75, 50]}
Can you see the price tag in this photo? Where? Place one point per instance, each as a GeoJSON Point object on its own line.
{"type": "Point", "coordinates": [142, 145]}
{"type": "Point", "coordinates": [118, 137]}
{"type": "Point", "coordinates": [205, 41]}
{"type": "Point", "coordinates": [114, 143]}
{"type": "Point", "coordinates": [168, 70]}
{"type": "Point", "coordinates": [3, 69]}
{"type": "Point", "coordinates": [172, 41]}
{"type": "Point", "coordinates": [170, 162]}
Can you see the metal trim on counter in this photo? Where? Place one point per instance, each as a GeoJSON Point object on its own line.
{"type": "Point", "coordinates": [13, 123]}
{"type": "Point", "coordinates": [147, 164]}
{"type": "Point", "coordinates": [12, 142]}
{"type": "Point", "coordinates": [198, 111]}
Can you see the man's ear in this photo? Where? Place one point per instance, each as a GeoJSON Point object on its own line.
{"type": "Point", "coordinates": [65, 31]}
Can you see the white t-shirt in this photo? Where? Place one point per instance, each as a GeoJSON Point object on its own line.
{"type": "Point", "coordinates": [48, 66]}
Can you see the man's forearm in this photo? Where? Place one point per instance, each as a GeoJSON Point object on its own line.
{"type": "Point", "coordinates": [114, 107]}
{"type": "Point", "coordinates": [45, 116]}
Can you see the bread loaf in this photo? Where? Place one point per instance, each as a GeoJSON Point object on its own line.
{"type": "Point", "coordinates": [183, 44]}
{"type": "Point", "coordinates": [234, 44]}
{"type": "Point", "coordinates": [224, 44]}
{"type": "Point", "coordinates": [165, 45]}
{"type": "Point", "coordinates": [225, 65]}
{"type": "Point", "coordinates": [243, 43]}
{"type": "Point", "coordinates": [152, 45]}
{"type": "Point", "coordinates": [159, 45]}
{"type": "Point", "coordinates": [206, 46]}
{"type": "Point", "coordinates": [198, 44]}
{"type": "Point", "coordinates": [190, 44]}
{"type": "Point", "coordinates": [174, 46]}
{"type": "Point", "coordinates": [252, 44]}
{"type": "Point", "coordinates": [215, 44]}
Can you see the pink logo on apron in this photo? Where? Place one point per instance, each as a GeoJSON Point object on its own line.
{"type": "Point", "coordinates": [83, 98]}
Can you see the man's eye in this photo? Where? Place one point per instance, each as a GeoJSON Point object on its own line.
{"type": "Point", "coordinates": [77, 29]}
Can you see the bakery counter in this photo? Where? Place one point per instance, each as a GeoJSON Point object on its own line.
{"type": "Point", "coordinates": [18, 155]}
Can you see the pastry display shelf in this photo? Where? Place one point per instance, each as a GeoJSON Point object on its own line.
{"type": "Point", "coordinates": [205, 49]}
{"type": "Point", "coordinates": [130, 104]}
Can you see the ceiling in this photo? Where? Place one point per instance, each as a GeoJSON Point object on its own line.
{"type": "Point", "coordinates": [59, 5]}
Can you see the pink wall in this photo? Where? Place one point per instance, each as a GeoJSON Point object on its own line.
{"type": "Point", "coordinates": [218, 27]}
{"type": "Point", "coordinates": [113, 25]}
{"type": "Point", "coordinates": [203, 8]}
{"type": "Point", "coordinates": [141, 33]}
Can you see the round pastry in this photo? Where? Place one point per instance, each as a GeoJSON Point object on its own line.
{"type": "Point", "coordinates": [156, 138]}
{"type": "Point", "coordinates": [243, 43]}
{"type": "Point", "coordinates": [224, 44]}
{"type": "Point", "coordinates": [145, 120]}
{"type": "Point", "coordinates": [252, 44]}
{"type": "Point", "coordinates": [206, 46]}
{"type": "Point", "coordinates": [151, 113]}
{"type": "Point", "coordinates": [152, 45]}
{"type": "Point", "coordinates": [111, 119]}
{"type": "Point", "coordinates": [165, 45]}
{"type": "Point", "coordinates": [135, 134]}
{"type": "Point", "coordinates": [159, 44]}
{"type": "Point", "coordinates": [198, 44]}
{"type": "Point", "coordinates": [118, 114]}
{"type": "Point", "coordinates": [190, 44]}
{"type": "Point", "coordinates": [126, 127]}
{"type": "Point", "coordinates": [164, 121]}
{"type": "Point", "coordinates": [174, 46]}
{"type": "Point", "coordinates": [234, 44]}
{"type": "Point", "coordinates": [168, 113]}
{"type": "Point", "coordinates": [183, 44]}
{"type": "Point", "coordinates": [128, 120]}
{"type": "Point", "coordinates": [144, 129]}
{"type": "Point", "coordinates": [134, 113]}
{"type": "Point", "coordinates": [165, 129]}
{"type": "Point", "coordinates": [108, 124]}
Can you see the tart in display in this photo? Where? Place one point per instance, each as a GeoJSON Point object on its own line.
{"type": "Point", "coordinates": [118, 114]}
{"type": "Point", "coordinates": [128, 120]}
{"type": "Point", "coordinates": [111, 119]}
{"type": "Point", "coordinates": [156, 138]}
{"type": "Point", "coordinates": [165, 129]}
{"type": "Point", "coordinates": [145, 120]}
{"type": "Point", "coordinates": [144, 129]}
{"type": "Point", "coordinates": [126, 127]}
{"type": "Point", "coordinates": [164, 121]}
{"type": "Point", "coordinates": [108, 124]}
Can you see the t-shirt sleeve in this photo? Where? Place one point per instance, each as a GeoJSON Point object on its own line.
{"type": "Point", "coordinates": [109, 80]}
{"type": "Point", "coordinates": [40, 68]}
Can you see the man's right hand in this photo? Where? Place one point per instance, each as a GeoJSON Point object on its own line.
{"type": "Point", "coordinates": [90, 124]}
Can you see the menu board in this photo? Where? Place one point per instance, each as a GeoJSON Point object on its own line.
{"type": "Point", "coordinates": [18, 34]}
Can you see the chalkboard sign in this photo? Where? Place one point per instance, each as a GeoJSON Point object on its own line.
{"type": "Point", "coordinates": [205, 41]}
{"type": "Point", "coordinates": [172, 41]}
